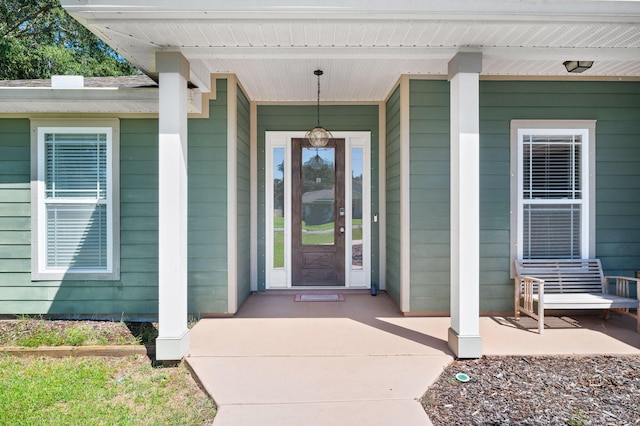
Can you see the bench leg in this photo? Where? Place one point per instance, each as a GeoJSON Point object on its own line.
{"type": "Point", "coordinates": [540, 320]}
{"type": "Point", "coordinates": [516, 301]}
{"type": "Point", "coordinates": [605, 314]}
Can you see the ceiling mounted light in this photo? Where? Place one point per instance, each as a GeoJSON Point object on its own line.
{"type": "Point", "coordinates": [318, 136]}
{"type": "Point", "coordinates": [577, 66]}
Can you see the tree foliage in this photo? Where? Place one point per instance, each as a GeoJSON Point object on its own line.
{"type": "Point", "coordinates": [38, 39]}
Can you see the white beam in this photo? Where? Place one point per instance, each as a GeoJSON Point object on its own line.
{"type": "Point", "coordinates": [253, 161]}
{"type": "Point", "coordinates": [405, 195]}
{"type": "Point", "coordinates": [232, 195]}
{"type": "Point", "coordinates": [85, 100]}
{"type": "Point", "coordinates": [200, 76]}
{"type": "Point", "coordinates": [382, 194]}
{"type": "Point", "coordinates": [464, 334]}
{"type": "Point", "coordinates": [173, 336]}
{"type": "Point", "coordinates": [410, 53]}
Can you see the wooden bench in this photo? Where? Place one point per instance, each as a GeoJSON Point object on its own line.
{"type": "Point", "coordinates": [570, 284]}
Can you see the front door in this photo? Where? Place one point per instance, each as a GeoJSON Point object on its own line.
{"type": "Point", "coordinates": [318, 213]}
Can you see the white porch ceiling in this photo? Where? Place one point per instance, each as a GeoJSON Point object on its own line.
{"type": "Point", "coordinates": [364, 47]}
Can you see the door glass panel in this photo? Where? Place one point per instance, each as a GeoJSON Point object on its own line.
{"type": "Point", "coordinates": [356, 208]}
{"type": "Point", "coordinates": [278, 208]}
{"type": "Point", "coordinates": [318, 196]}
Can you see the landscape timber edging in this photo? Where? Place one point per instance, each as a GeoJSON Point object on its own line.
{"type": "Point", "coordinates": [78, 351]}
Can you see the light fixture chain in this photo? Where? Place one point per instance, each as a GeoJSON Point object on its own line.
{"type": "Point", "coordinates": [318, 136]}
{"type": "Point", "coordinates": [318, 104]}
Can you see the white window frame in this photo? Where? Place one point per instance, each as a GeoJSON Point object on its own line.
{"type": "Point", "coordinates": [39, 269]}
{"type": "Point", "coordinates": [586, 128]}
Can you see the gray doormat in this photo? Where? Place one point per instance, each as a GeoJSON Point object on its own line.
{"type": "Point", "coordinates": [333, 297]}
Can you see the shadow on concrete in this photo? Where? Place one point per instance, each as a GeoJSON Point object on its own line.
{"type": "Point", "coordinates": [377, 312]}
{"type": "Point", "coordinates": [616, 326]}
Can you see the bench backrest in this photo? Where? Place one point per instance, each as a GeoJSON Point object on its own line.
{"type": "Point", "coordinates": [564, 276]}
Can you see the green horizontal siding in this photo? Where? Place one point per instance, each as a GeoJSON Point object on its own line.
{"type": "Point", "coordinates": [136, 293]}
{"type": "Point", "coordinates": [208, 231]}
{"type": "Point", "coordinates": [15, 210]}
{"type": "Point", "coordinates": [244, 197]}
{"type": "Point", "coordinates": [430, 193]}
{"type": "Point", "coordinates": [392, 193]}
{"type": "Point", "coordinates": [615, 106]}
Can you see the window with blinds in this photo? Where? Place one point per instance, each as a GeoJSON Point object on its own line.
{"type": "Point", "coordinates": [552, 184]}
{"type": "Point", "coordinates": [75, 216]}
{"type": "Point", "coordinates": [75, 200]}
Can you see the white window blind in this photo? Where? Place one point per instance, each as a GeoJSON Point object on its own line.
{"type": "Point", "coordinates": [75, 199]}
{"type": "Point", "coordinates": [76, 166]}
{"type": "Point", "coordinates": [551, 231]}
{"type": "Point", "coordinates": [551, 195]}
{"type": "Point", "coordinates": [77, 236]}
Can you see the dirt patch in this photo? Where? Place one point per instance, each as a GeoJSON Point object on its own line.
{"type": "Point", "coordinates": [41, 332]}
{"type": "Point", "coordinates": [549, 390]}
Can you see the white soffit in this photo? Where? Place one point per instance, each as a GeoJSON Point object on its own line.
{"type": "Point", "coordinates": [19, 100]}
{"type": "Point", "coordinates": [273, 47]}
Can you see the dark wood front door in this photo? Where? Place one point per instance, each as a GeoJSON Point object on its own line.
{"type": "Point", "coordinates": [318, 214]}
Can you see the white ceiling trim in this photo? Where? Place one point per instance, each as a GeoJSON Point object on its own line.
{"type": "Point", "coordinates": [373, 34]}
{"type": "Point", "coordinates": [364, 47]}
{"type": "Point", "coordinates": [561, 10]}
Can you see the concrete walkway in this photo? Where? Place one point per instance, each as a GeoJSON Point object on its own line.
{"type": "Point", "coordinates": [357, 362]}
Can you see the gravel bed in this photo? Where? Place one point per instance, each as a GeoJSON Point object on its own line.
{"type": "Point", "coordinates": [544, 390]}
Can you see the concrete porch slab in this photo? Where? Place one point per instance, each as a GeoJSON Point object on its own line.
{"type": "Point", "coordinates": [370, 413]}
{"type": "Point", "coordinates": [360, 361]}
{"type": "Point", "coordinates": [564, 335]}
{"type": "Point", "coordinates": [295, 380]}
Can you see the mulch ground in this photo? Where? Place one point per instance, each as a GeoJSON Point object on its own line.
{"type": "Point", "coordinates": [549, 390]}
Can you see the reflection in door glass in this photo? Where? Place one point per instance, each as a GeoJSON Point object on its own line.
{"type": "Point", "coordinates": [278, 207]}
{"type": "Point", "coordinates": [318, 196]}
{"type": "Point", "coordinates": [356, 208]}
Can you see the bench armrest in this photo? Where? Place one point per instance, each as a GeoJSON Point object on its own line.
{"type": "Point", "coordinates": [525, 290]}
{"type": "Point", "coordinates": [526, 284]}
{"type": "Point", "coordinates": [623, 287]}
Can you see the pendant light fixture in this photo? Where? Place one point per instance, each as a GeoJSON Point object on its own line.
{"type": "Point", "coordinates": [318, 136]}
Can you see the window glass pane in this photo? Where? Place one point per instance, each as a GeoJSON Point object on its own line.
{"type": "Point", "coordinates": [551, 231]}
{"type": "Point", "coordinates": [551, 167]}
{"type": "Point", "coordinates": [356, 208]}
{"type": "Point", "coordinates": [76, 166]}
{"type": "Point", "coordinates": [278, 207]}
{"type": "Point", "coordinates": [77, 236]}
{"type": "Point", "coordinates": [318, 196]}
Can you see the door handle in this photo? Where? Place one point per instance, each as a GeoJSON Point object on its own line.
{"type": "Point", "coordinates": [342, 229]}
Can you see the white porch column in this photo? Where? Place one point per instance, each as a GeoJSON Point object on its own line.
{"type": "Point", "coordinates": [173, 336]}
{"type": "Point", "coordinates": [464, 333]}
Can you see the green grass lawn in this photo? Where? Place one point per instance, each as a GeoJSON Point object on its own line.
{"type": "Point", "coordinates": [278, 237]}
{"type": "Point", "coordinates": [99, 391]}
{"type": "Point", "coordinates": [278, 249]}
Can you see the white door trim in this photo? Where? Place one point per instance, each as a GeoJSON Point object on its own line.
{"type": "Point", "coordinates": [280, 278]}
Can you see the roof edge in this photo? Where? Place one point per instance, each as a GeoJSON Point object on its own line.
{"type": "Point", "coordinates": [578, 10]}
